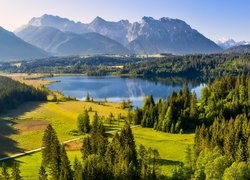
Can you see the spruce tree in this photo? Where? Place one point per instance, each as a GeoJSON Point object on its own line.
{"type": "Point", "coordinates": [168, 119]}
{"type": "Point", "coordinates": [94, 127]}
{"type": "Point", "coordinates": [65, 169]}
{"type": "Point", "coordinates": [186, 96]}
{"type": "Point", "coordinates": [77, 170]}
{"type": "Point", "coordinates": [83, 122]}
{"type": "Point", "coordinates": [51, 152]}
{"type": "Point", "coordinates": [88, 97]}
{"type": "Point", "coordinates": [4, 172]}
{"type": "Point", "coordinates": [42, 174]}
{"type": "Point", "coordinates": [240, 155]}
{"type": "Point", "coordinates": [86, 148]}
{"type": "Point", "coordinates": [16, 173]}
{"type": "Point", "coordinates": [128, 154]}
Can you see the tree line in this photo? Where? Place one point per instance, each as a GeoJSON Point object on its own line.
{"type": "Point", "coordinates": [13, 93]}
{"type": "Point", "coordinates": [210, 65]}
{"type": "Point", "coordinates": [201, 65]}
{"type": "Point", "coordinates": [226, 97]}
{"type": "Point", "coordinates": [222, 141]}
{"type": "Point", "coordinates": [221, 151]}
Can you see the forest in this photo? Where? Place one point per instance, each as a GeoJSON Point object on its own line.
{"type": "Point", "coordinates": [220, 119]}
{"type": "Point", "coordinates": [201, 65]}
{"type": "Point", "coordinates": [226, 97]}
{"type": "Point", "coordinates": [13, 93]}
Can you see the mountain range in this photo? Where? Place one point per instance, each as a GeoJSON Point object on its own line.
{"type": "Point", "coordinates": [61, 36]}
{"type": "Point", "coordinates": [228, 43]}
{"type": "Point", "coordinates": [14, 48]}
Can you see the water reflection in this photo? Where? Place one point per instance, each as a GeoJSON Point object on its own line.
{"type": "Point", "coordinates": [117, 89]}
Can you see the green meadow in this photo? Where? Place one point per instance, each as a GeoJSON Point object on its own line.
{"type": "Point", "coordinates": [24, 126]}
{"type": "Point", "coordinates": [171, 147]}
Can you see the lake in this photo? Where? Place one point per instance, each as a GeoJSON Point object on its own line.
{"type": "Point", "coordinates": [117, 89]}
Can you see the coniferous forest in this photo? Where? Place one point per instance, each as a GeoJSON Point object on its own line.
{"type": "Point", "coordinates": [226, 97]}
{"type": "Point", "coordinates": [13, 93]}
{"type": "Point", "coordinates": [101, 158]}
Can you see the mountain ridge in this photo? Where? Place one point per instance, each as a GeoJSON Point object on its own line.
{"type": "Point", "coordinates": [164, 35]}
{"type": "Point", "coordinates": [228, 43]}
{"type": "Point", "coordinates": [14, 48]}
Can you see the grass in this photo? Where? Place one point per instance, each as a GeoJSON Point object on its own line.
{"type": "Point", "coordinates": [29, 79]}
{"type": "Point", "coordinates": [171, 147]}
{"type": "Point", "coordinates": [30, 164]}
{"type": "Point", "coordinates": [29, 121]}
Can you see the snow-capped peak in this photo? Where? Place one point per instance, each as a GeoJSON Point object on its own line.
{"type": "Point", "coordinates": [228, 43]}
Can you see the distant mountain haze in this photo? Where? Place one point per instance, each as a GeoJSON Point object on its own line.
{"type": "Point", "coordinates": [149, 36]}
{"type": "Point", "coordinates": [241, 49]}
{"type": "Point", "coordinates": [225, 44]}
{"type": "Point", "coordinates": [89, 44]}
{"type": "Point", "coordinates": [14, 48]}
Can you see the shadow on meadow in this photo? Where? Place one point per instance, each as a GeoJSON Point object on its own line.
{"type": "Point", "coordinates": [7, 128]}
{"type": "Point", "coordinates": [7, 145]}
{"type": "Point", "coordinates": [163, 162]}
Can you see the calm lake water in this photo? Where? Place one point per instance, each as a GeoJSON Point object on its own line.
{"type": "Point", "coordinates": [117, 89]}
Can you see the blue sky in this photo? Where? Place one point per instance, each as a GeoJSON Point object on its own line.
{"type": "Point", "coordinates": [215, 19]}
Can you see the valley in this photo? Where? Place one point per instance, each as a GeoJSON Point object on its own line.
{"type": "Point", "coordinates": [124, 90]}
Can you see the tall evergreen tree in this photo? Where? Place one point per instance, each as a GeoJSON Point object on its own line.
{"type": "Point", "coordinates": [4, 172]}
{"type": "Point", "coordinates": [86, 148]}
{"type": "Point", "coordinates": [95, 123]}
{"type": "Point", "coordinates": [83, 122]}
{"type": "Point", "coordinates": [51, 152]}
{"type": "Point", "coordinates": [16, 173]}
{"type": "Point", "coordinates": [77, 170]}
{"type": "Point", "coordinates": [128, 159]}
{"type": "Point", "coordinates": [65, 168]}
{"type": "Point", "coordinates": [42, 173]}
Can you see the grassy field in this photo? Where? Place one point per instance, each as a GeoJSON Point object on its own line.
{"type": "Point", "coordinates": [23, 127]}
{"type": "Point", "coordinates": [30, 164]}
{"type": "Point", "coordinates": [29, 79]}
{"type": "Point", "coordinates": [171, 147]}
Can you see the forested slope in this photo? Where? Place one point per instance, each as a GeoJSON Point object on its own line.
{"type": "Point", "coordinates": [13, 93]}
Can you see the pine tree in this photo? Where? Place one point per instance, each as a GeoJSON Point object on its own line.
{"type": "Point", "coordinates": [86, 148]}
{"type": "Point", "coordinates": [186, 95]}
{"type": "Point", "coordinates": [16, 173]}
{"type": "Point", "coordinates": [42, 174]}
{"type": "Point", "coordinates": [99, 141]}
{"type": "Point", "coordinates": [188, 158]}
{"type": "Point", "coordinates": [193, 108]}
{"type": "Point", "coordinates": [128, 159]}
{"type": "Point", "coordinates": [168, 119]}
{"type": "Point", "coordinates": [248, 150]}
{"type": "Point", "coordinates": [77, 170]}
{"type": "Point", "coordinates": [94, 127]}
{"type": "Point", "coordinates": [240, 156]}
{"type": "Point", "coordinates": [83, 123]}
{"type": "Point", "coordinates": [4, 172]}
{"type": "Point", "coordinates": [88, 97]}
{"type": "Point", "coordinates": [65, 173]}
{"type": "Point", "coordinates": [137, 116]}
{"type": "Point", "coordinates": [51, 152]}
{"type": "Point", "coordinates": [172, 129]}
